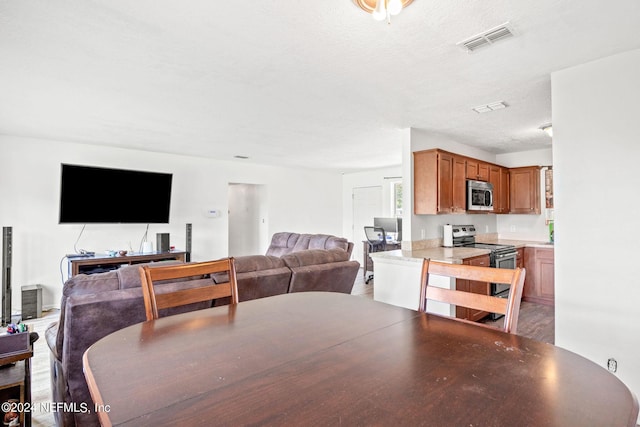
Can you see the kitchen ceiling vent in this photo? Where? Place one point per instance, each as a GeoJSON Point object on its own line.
{"type": "Point", "coordinates": [485, 108]}
{"type": "Point", "coordinates": [486, 38]}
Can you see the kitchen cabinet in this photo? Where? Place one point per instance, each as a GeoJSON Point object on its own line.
{"type": "Point", "coordinates": [438, 182]}
{"type": "Point", "coordinates": [477, 170]}
{"type": "Point", "coordinates": [499, 177]}
{"type": "Point", "coordinates": [539, 286]}
{"type": "Point", "coordinates": [525, 190]}
{"type": "Point", "coordinates": [520, 258]}
{"type": "Point", "coordinates": [475, 287]}
{"type": "Point", "coordinates": [459, 186]}
{"type": "Point", "coordinates": [503, 195]}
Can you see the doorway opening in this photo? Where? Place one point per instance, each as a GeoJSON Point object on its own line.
{"type": "Point", "coordinates": [247, 219]}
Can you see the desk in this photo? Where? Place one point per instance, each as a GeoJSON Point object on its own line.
{"type": "Point", "coordinates": [87, 264]}
{"type": "Point", "coordinates": [316, 358]}
{"type": "Point", "coordinates": [368, 262]}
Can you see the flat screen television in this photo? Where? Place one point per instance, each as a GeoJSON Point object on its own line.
{"type": "Point", "coordinates": [103, 196]}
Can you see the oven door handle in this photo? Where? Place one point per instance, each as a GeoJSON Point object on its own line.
{"type": "Point", "coordinates": [509, 255]}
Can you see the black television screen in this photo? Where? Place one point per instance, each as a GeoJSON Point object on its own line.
{"type": "Point", "coordinates": [102, 195]}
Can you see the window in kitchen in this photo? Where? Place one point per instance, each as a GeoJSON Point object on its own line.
{"type": "Point", "coordinates": [397, 199]}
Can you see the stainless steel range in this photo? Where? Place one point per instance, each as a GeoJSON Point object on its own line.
{"type": "Point", "coordinates": [501, 256]}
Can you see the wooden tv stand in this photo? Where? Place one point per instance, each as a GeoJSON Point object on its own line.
{"type": "Point", "coordinates": [99, 264]}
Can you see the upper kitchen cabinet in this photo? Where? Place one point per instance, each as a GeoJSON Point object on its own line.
{"type": "Point", "coordinates": [505, 186]}
{"type": "Point", "coordinates": [438, 182]}
{"type": "Point", "coordinates": [477, 170]}
{"type": "Point", "coordinates": [525, 190]}
{"type": "Point", "coordinates": [499, 177]}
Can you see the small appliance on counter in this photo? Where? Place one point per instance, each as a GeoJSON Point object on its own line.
{"type": "Point", "coordinates": [447, 239]}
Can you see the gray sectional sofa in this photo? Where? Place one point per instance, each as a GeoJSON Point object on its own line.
{"type": "Point", "coordinates": [94, 306]}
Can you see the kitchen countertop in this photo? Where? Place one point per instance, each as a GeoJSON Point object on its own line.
{"type": "Point", "coordinates": [451, 255]}
{"type": "Point", "coordinates": [518, 243]}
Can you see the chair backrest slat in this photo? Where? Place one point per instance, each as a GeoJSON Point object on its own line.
{"type": "Point", "coordinates": [201, 287]}
{"type": "Point", "coordinates": [510, 306]}
{"type": "Point", "coordinates": [467, 299]}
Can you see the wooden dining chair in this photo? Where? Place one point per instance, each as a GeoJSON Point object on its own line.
{"type": "Point", "coordinates": [202, 287]}
{"type": "Point", "coordinates": [510, 306]}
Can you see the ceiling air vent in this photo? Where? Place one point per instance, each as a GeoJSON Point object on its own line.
{"type": "Point", "coordinates": [485, 108]}
{"type": "Point", "coordinates": [486, 38]}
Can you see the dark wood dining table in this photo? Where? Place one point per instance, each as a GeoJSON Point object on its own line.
{"type": "Point", "coordinates": [317, 359]}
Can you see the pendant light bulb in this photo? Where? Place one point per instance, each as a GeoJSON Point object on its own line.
{"type": "Point", "coordinates": [380, 12]}
{"type": "Point", "coordinates": [394, 7]}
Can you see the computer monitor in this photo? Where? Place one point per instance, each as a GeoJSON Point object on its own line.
{"type": "Point", "coordinates": [392, 227]}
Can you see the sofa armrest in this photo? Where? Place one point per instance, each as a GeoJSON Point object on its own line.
{"type": "Point", "coordinates": [89, 318]}
{"type": "Point", "coordinates": [329, 277]}
{"type": "Point", "coordinates": [50, 337]}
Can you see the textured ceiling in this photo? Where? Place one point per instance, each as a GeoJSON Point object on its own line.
{"type": "Point", "coordinates": [291, 82]}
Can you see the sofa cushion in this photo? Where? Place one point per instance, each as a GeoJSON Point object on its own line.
{"type": "Point", "coordinates": [129, 275]}
{"type": "Point", "coordinates": [282, 243]}
{"type": "Point", "coordinates": [333, 242]}
{"type": "Point", "coordinates": [91, 283]}
{"type": "Point", "coordinates": [257, 263]}
{"type": "Point", "coordinates": [258, 276]}
{"type": "Point", "coordinates": [315, 256]}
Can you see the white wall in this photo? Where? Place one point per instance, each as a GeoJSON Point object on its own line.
{"type": "Point", "coordinates": [375, 177]}
{"type": "Point", "coordinates": [596, 150]}
{"type": "Point", "coordinates": [525, 227]}
{"type": "Point", "coordinates": [298, 200]}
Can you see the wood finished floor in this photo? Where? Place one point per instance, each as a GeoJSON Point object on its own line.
{"type": "Point", "coordinates": [536, 322]}
{"type": "Point", "coordinates": [40, 370]}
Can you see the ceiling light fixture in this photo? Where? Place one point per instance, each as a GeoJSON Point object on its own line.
{"type": "Point", "coordinates": [547, 128]}
{"type": "Point", "coordinates": [383, 9]}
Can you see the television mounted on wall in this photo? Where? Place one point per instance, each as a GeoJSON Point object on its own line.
{"type": "Point", "coordinates": [107, 196]}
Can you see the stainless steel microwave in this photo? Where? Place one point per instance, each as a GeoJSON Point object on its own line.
{"type": "Point", "coordinates": [479, 196]}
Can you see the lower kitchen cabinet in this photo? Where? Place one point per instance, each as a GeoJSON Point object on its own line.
{"type": "Point", "coordinates": [483, 288]}
{"type": "Point", "coordinates": [520, 258]}
{"type": "Point", "coordinates": [539, 286]}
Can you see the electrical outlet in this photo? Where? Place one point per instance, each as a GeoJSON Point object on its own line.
{"type": "Point", "coordinates": [512, 228]}
{"type": "Point", "coordinates": [423, 234]}
{"type": "Point", "coordinates": [612, 365]}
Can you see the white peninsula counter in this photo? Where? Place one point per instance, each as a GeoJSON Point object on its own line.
{"type": "Point", "coordinates": [397, 275]}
